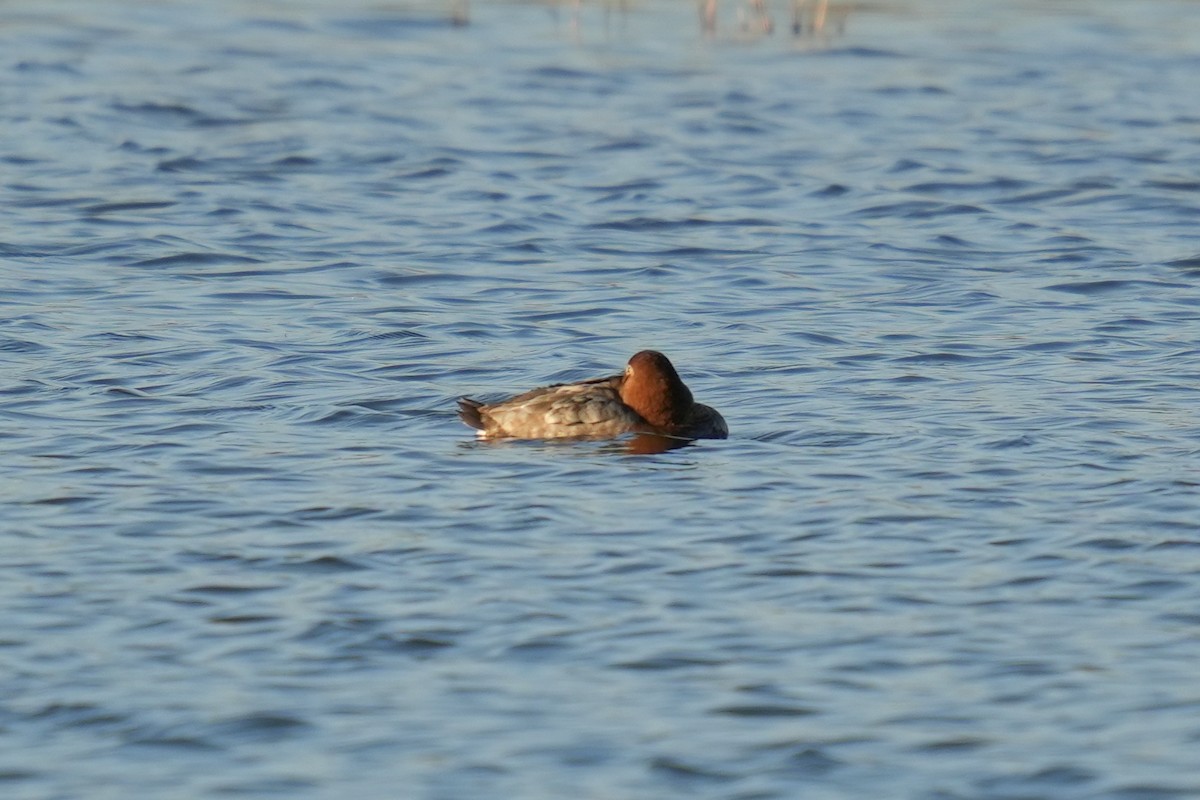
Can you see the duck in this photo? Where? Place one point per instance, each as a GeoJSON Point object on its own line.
{"type": "Point", "coordinates": [649, 397]}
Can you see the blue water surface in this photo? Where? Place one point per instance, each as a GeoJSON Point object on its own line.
{"type": "Point", "coordinates": [937, 264]}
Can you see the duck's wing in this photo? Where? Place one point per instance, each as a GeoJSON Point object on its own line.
{"type": "Point", "coordinates": [478, 414]}
{"type": "Point", "coordinates": [600, 384]}
{"type": "Point", "coordinates": [590, 408]}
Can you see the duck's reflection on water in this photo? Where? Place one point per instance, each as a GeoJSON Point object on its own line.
{"type": "Point", "coordinates": [637, 444]}
{"type": "Point", "coordinates": [649, 444]}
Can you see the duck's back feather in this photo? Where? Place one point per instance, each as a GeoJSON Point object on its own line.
{"type": "Point", "coordinates": [590, 408]}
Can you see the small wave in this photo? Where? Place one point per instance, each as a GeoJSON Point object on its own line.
{"type": "Point", "coordinates": [919, 209]}
{"type": "Point", "coordinates": [941, 358]}
{"type": "Point", "coordinates": [109, 208]}
{"type": "Point", "coordinates": [1108, 286]}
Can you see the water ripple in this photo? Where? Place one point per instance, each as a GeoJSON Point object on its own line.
{"type": "Point", "coordinates": [250, 258]}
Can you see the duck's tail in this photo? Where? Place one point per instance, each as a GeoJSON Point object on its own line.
{"type": "Point", "coordinates": [468, 412]}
